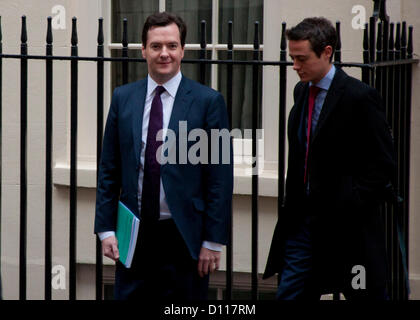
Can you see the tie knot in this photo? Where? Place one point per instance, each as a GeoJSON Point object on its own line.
{"type": "Point", "coordinates": [314, 90]}
{"type": "Point", "coordinates": [159, 90]}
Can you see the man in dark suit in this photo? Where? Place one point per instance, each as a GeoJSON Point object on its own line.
{"type": "Point", "coordinates": [183, 206]}
{"type": "Point", "coordinates": [330, 233]}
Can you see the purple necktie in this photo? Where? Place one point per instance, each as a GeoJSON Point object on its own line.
{"type": "Point", "coordinates": [151, 180]}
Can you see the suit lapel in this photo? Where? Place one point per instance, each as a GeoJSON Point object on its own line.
{"type": "Point", "coordinates": [137, 104]}
{"type": "Point", "coordinates": [297, 116]}
{"type": "Point", "coordinates": [182, 103]}
{"type": "Point", "coordinates": [331, 100]}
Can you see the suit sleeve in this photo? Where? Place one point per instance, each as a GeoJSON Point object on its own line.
{"type": "Point", "coordinates": [218, 176]}
{"type": "Point", "coordinates": [109, 176]}
{"type": "Point", "coordinates": [380, 167]}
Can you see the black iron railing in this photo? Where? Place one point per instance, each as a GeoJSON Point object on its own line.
{"type": "Point", "coordinates": [387, 63]}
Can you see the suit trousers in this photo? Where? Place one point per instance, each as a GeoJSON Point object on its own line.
{"type": "Point", "coordinates": [298, 281]}
{"type": "Point", "coordinates": [162, 268]}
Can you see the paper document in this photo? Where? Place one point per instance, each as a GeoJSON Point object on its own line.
{"type": "Point", "coordinates": [127, 230]}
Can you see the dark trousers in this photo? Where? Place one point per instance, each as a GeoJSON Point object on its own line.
{"type": "Point", "coordinates": [162, 268]}
{"type": "Point", "coordinates": [299, 282]}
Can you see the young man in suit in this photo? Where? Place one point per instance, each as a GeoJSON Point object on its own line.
{"type": "Point", "coordinates": [183, 206]}
{"type": "Point", "coordinates": [330, 234]}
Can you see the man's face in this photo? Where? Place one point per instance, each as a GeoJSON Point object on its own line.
{"type": "Point", "coordinates": [163, 52]}
{"type": "Point", "coordinates": [306, 63]}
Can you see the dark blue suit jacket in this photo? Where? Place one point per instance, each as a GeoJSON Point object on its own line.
{"type": "Point", "coordinates": [199, 196]}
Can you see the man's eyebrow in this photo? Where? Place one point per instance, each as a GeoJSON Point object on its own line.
{"type": "Point", "coordinates": [163, 42]}
{"type": "Point", "coordinates": [297, 56]}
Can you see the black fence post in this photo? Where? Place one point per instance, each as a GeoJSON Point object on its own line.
{"type": "Point", "coordinates": [282, 125]}
{"type": "Point", "coordinates": [337, 58]}
{"type": "Point", "coordinates": [404, 147]}
{"type": "Point", "coordinates": [48, 159]}
{"type": "Point", "coordinates": [397, 139]}
{"type": "Point", "coordinates": [1, 135]}
{"type": "Point", "coordinates": [385, 93]}
{"type": "Point", "coordinates": [203, 45]}
{"type": "Point", "coordinates": [366, 60]}
{"type": "Point", "coordinates": [385, 70]}
{"type": "Point", "coordinates": [282, 119]}
{"type": "Point", "coordinates": [125, 52]}
{"type": "Point", "coordinates": [229, 248]}
{"type": "Point", "coordinates": [378, 76]}
{"type": "Point", "coordinates": [337, 54]}
{"type": "Point", "coordinates": [255, 168]}
{"type": "Point", "coordinates": [390, 114]}
{"type": "Point", "coordinates": [391, 70]}
{"type": "Point", "coordinates": [23, 158]}
{"type": "Point", "coordinates": [73, 160]}
{"type": "Point", "coordinates": [99, 135]}
{"type": "Point", "coordinates": [372, 39]}
{"type": "Point", "coordinates": [408, 152]}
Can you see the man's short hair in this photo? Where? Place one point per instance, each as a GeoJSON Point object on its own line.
{"type": "Point", "coordinates": [162, 19]}
{"type": "Point", "coordinates": [319, 31]}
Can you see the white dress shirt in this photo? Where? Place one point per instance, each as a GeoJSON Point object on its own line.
{"type": "Point", "coordinates": [168, 98]}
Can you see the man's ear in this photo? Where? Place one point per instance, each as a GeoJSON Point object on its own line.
{"type": "Point", "coordinates": [143, 51]}
{"type": "Point", "coordinates": [328, 51]}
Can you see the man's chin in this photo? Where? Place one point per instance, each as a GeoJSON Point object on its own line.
{"type": "Point", "coordinates": [162, 77]}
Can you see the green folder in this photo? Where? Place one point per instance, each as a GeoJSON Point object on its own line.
{"type": "Point", "coordinates": [127, 231]}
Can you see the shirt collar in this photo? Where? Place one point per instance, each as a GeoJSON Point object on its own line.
{"type": "Point", "coordinates": [170, 86]}
{"type": "Point", "coordinates": [325, 82]}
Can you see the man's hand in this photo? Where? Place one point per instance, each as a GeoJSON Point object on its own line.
{"type": "Point", "coordinates": [208, 261]}
{"type": "Point", "coordinates": [110, 248]}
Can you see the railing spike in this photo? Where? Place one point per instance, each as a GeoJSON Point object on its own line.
{"type": "Point", "coordinates": [100, 31]}
{"type": "Point", "coordinates": [203, 35]}
{"type": "Point", "coordinates": [125, 33]}
{"type": "Point", "coordinates": [410, 43]}
{"type": "Point", "coordinates": [337, 56]}
{"type": "Point", "coordinates": [366, 37]}
{"type": "Point", "coordinates": [385, 40]}
{"type": "Point", "coordinates": [404, 35]}
{"type": "Point", "coordinates": [391, 44]}
{"type": "Point", "coordinates": [230, 35]}
{"type": "Point", "coordinates": [49, 31]}
{"type": "Point", "coordinates": [372, 36]}
{"type": "Point", "coordinates": [24, 33]}
{"type": "Point", "coordinates": [398, 37]}
{"type": "Point", "coordinates": [74, 39]}
{"type": "Point", "coordinates": [256, 35]}
{"type": "Point", "coordinates": [283, 45]}
{"type": "Point", "coordinates": [379, 37]}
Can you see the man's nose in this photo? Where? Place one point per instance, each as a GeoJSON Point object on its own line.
{"type": "Point", "coordinates": [164, 52]}
{"type": "Point", "coordinates": [296, 66]}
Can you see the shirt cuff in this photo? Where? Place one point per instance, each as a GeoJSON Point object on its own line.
{"type": "Point", "coordinates": [106, 234]}
{"type": "Point", "coordinates": [212, 246]}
